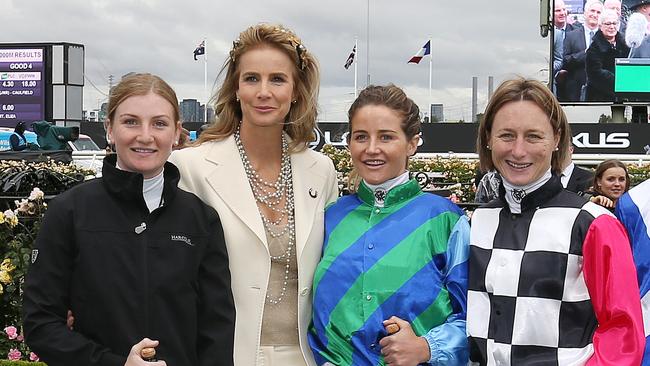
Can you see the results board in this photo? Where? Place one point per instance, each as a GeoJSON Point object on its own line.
{"type": "Point", "coordinates": [22, 85]}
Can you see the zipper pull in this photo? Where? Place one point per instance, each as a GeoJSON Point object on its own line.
{"type": "Point", "coordinates": [141, 228]}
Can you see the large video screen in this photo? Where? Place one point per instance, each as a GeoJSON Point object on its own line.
{"type": "Point", "coordinates": [589, 39]}
{"type": "Point", "coordinates": [22, 85]}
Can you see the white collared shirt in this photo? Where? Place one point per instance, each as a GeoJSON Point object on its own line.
{"type": "Point", "coordinates": [586, 32]}
{"type": "Point", "coordinates": [566, 174]}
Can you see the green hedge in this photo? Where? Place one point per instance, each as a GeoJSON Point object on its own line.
{"type": "Point", "coordinates": [20, 363]}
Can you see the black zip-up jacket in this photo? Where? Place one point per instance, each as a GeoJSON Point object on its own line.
{"type": "Point", "coordinates": [127, 274]}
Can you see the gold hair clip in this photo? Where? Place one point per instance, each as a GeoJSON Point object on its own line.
{"type": "Point", "coordinates": [235, 44]}
{"type": "Point", "coordinates": [302, 56]}
{"type": "Point", "coordinates": [301, 51]}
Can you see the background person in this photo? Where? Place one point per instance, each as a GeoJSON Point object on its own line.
{"type": "Point", "coordinates": [608, 44]}
{"type": "Point", "coordinates": [617, 7]}
{"type": "Point", "coordinates": [551, 276]}
{"type": "Point", "coordinates": [487, 188]}
{"type": "Point", "coordinates": [270, 190]}
{"type": "Point", "coordinates": [139, 262]}
{"type": "Point", "coordinates": [392, 254]}
{"type": "Point", "coordinates": [562, 27]}
{"type": "Point", "coordinates": [611, 181]}
{"type": "Point", "coordinates": [573, 177]}
{"type": "Point", "coordinates": [17, 140]}
{"type": "Point", "coordinates": [576, 43]}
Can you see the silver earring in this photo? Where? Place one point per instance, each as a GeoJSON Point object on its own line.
{"type": "Point", "coordinates": [237, 98]}
{"type": "Point", "coordinates": [294, 102]}
{"type": "Point", "coordinates": [557, 148]}
{"type": "Point", "coordinates": [488, 147]}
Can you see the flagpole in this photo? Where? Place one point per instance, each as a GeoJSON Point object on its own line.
{"type": "Point", "coordinates": [368, 44]}
{"type": "Point", "coordinates": [205, 81]}
{"type": "Point", "coordinates": [430, 66]}
{"type": "Point", "coordinates": [355, 68]}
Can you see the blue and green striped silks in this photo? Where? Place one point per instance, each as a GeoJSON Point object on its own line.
{"type": "Point", "coordinates": [408, 259]}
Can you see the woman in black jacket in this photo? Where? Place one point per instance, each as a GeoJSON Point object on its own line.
{"type": "Point", "coordinates": [607, 45]}
{"type": "Point", "coordinates": [139, 262]}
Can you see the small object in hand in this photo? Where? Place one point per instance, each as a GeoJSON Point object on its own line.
{"type": "Point", "coordinates": [392, 328]}
{"type": "Point", "coordinates": [148, 354]}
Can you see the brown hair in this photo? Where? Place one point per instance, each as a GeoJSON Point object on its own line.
{"type": "Point", "coordinates": [603, 166]}
{"type": "Point", "coordinates": [301, 119]}
{"type": "Point", "coordinates": [140, 84]}
{"type": "Point", "coordinates": [520, 89]}
{"type": "Point", "coordinates": [390, 96]}
{"type": "Point", "coordinates": [394, 98]}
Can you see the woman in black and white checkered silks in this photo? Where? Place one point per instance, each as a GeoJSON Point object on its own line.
{"type": "Point", "coordinates": [551, 277]}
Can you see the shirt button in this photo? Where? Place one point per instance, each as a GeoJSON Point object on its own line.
{"type": "Point", "coordinates": [368, 297]}
{"type": "Point", "coordinates": [377, 210]}
{"type": "Point", "coordinates": [304, 291]}
{"type": "Point", "coordinates": [371, 245]}
{"type": "Point", "coordinates": [372, 345]}
{"type": "Point", "coordinates": [503, 262]}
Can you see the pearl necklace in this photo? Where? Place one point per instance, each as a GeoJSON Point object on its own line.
{"type": "Point", "coordinates": [270, 194]}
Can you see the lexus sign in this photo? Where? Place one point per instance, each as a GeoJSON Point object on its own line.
{"type": "Point", "coordinates": [588, 138]}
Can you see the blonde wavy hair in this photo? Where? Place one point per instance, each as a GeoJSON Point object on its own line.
{"type": "Point", "coordinates": [300, 122]}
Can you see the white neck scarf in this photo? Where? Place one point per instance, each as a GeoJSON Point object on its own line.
{"type": "Point", "coordinates": [381, 190]}
{"type": "Point", "coordinates": [152, 190]}
{"type": "Point", "coordinates": [515, 194]}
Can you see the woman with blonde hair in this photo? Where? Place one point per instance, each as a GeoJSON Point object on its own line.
{"type": "Point", "coordinates": [253, 166]}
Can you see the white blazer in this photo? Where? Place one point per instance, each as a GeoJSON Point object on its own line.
{"type": "Point", "coordinates": [215, 173]}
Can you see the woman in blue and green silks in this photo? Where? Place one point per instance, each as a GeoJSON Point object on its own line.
{"type": "Point", "coordinates": [393, 257]}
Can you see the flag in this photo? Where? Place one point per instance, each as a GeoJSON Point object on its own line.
{"type": "Point", "coordinates": [350, 59]}
{"type": "Point", "coordinates": [633, 210]}
{"type": "Point", "coordinates": [200, 50]}
{"type": "Point", "coordinates": [425, 50]}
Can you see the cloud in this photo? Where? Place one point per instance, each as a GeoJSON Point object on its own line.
{"type": "Point", "coordinates": [470, 38]}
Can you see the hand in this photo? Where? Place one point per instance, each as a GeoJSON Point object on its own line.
{"type": "Point", "coordinates": [603, 201]}
{"type": "Point", "coordinates": [404, 348]}
{"type": "Point", "coordinates": [69, 321]}
{"type": "Point", "coordinates": [134, 358]}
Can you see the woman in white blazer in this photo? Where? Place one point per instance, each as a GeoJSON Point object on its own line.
{"type": "Point", "coordinates": [253, 166]}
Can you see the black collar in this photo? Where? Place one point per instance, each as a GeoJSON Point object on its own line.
{"type": "Point", "coordinates": [128, 185]}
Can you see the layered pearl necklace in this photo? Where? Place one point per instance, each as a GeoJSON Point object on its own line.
{"type": "Point", "coordinates": [271, 194]}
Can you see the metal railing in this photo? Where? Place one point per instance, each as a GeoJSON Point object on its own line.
{"type": "Point", "coordinates": [89, 159]}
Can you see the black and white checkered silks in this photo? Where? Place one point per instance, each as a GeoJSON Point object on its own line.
{"type": "Point", "coordinates": [527, 299]}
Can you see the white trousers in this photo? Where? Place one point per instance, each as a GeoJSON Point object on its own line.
{"type": "Point", "coordinates": [280, 356]}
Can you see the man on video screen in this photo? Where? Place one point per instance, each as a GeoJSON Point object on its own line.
{"type": "Point", "coordinates": [576, 43]}
{"type": "Point", "coordinates": [617, 7]}
{"type": "Point", "coordinates": [562, 27]}
{"type": "Point", "coordinates": [608, 44]}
